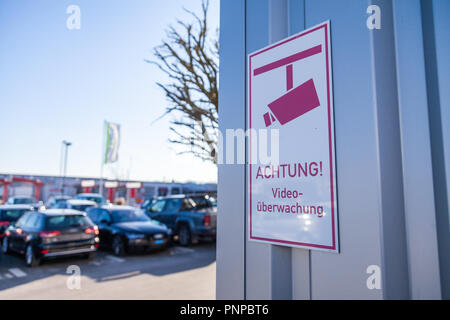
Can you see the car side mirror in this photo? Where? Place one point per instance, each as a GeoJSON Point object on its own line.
{"type": "Point", "coordinates": [104, 221]}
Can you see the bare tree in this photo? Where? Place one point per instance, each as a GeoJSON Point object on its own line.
{"type": "Point", "coordinates": [190, 59]}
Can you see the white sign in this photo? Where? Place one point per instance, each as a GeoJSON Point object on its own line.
{"type": "Point", "coordinates": [111, 184]}
{"type": "Point", "coordinates": [133, 185]}
{"type": "Point", "coordinates": [293, 202]}
{"type": "Point", "coordinates": [87, 183]}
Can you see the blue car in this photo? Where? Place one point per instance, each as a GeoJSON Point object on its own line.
{"type": "Point", "coordinates": [96, 197]}
{"type": "Point", "coordinates": [191, 218]}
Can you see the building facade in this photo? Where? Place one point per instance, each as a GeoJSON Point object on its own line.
{"type": "Point", "coordinates": [134, 192]}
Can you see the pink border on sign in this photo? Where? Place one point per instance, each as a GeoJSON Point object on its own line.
{"type": "Point", "coordinates": [333, 247]}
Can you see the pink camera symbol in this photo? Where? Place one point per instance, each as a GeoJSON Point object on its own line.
{"type": "Point", "coordinates": [297, 101]}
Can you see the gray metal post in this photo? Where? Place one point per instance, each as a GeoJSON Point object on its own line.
{"type": "Point", "coordinates": [392, 131]}
{"type": "Point", "coordinates": [66, 150]}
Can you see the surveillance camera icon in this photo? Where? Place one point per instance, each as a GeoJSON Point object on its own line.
{"type": "Point", "coordinates": [293, 104]}
{"type": "Point", "coordinates": [296, 101]}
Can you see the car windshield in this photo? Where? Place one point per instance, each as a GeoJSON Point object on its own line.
{"type": "Point", "coordinates": [80, 207]}
{"type": "Point", "coordinates": [23, 201]}
{"type": "Point", "coordinates": [148, 203]}
{"type": "Point", "coordinates": [61, 205]}
{"type": "Point", "coordinates": [157, 206]}
{"type": "Point", "coordinates": [11, 215]}
{"type": "Point", "coordinates": [97, 199]}
{"type": "Point", "coordinates": [66, 221]}
{"type": "Point", "coordinates": [128, 216]}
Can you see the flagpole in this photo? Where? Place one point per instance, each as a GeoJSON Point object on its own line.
{"type": "Point", "coordinates": [102, 158]}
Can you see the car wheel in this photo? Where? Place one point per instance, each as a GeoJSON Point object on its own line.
{"type": "Point", "coordinates": [30, 257]}
{"type": "Point", "coordinates": [5, 246]}
{"type": "Point", "coordinates": [118, 246]}
{"type": "Point", "coordinates": [184, 235]}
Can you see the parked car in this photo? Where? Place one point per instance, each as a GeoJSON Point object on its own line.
{"type": "Point", "coordinates": [51, 233]}
{"type": "Point", "coordinates": [124, 229]}
{"type": "Point", "coordinates": [20, 200]}
{"type": "Point", "coordinates": [147, 203]}
{"type": "Point", "coordinates": [187, 219]}
{"type": "Point", "coordinates": [96, 197]}
{"type": "Point", "coordinates": [9, 214]}
{"type": "Point", "coordinates": [57, 202]}
{"type": "Point", "coordinates": [25, 200]}
{"type": "Point", "coordinates": [80, 205]}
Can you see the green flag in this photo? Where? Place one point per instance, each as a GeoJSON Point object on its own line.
{"type": "Point", "coordinates": [112, 142]}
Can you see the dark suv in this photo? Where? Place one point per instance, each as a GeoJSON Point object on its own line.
{"type": "Point", "coordinates": [190, 219]}
{"type": "Point", "coordinates": [51, 233]}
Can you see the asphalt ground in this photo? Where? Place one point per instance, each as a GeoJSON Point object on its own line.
{"type": "Point", "coordinates": [175, 273]}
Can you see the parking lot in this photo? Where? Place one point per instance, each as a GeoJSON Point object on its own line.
{"type": "Point", "coordinates": [176, 273]}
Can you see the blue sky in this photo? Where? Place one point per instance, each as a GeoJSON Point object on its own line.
{"type": "Point", "coordinates": [58, 84]}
